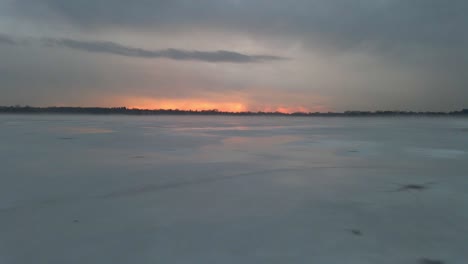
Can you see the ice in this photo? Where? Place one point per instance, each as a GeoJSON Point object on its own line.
{"type": "Point", "coordinates": [217, 189]}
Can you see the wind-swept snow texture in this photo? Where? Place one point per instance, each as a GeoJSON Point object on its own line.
{"type": "Point", "coordinates": [231, 190]}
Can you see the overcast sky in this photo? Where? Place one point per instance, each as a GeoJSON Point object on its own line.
{"type": "Point", "coordinates": [297, 55]}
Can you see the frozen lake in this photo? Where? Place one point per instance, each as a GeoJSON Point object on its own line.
{"type": "Point", "coordinates": [206, 189]}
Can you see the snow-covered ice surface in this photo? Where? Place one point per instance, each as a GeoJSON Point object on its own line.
{"type": "Point", "coordinates": [167, 189]}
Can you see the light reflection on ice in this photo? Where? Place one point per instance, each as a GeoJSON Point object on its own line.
{"type": "Point", "coordinates": [81, 130]}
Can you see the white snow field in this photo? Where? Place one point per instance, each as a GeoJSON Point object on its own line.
{"type": "Point", "coordinates": [240, 190]}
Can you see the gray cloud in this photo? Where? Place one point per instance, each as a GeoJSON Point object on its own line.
{"type": "Point", "coordinates": [118, 49]}
{"type": "Point", "coordinates": [174, 54]}
{"type": "Point", "coordinates": [399, 31]}
{"type": "Point", "coordinates": [344, 24]}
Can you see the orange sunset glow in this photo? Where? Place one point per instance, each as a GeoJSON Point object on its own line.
{"type": "Point", "coordinates": [200, 105]}
{"type": "Point", "coordinates": [185, 104]}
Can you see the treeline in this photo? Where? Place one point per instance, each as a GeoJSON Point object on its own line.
{"type": "Point", "coordinates": [133, 111]}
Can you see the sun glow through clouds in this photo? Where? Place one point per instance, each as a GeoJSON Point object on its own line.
{"type": "Point", "coordinates": [186, 104]}
{"type": "Point", "coordinates": [200, 105]}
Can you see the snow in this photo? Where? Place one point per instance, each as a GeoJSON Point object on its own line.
{"type": "Point", "coordinates": [214, 189]}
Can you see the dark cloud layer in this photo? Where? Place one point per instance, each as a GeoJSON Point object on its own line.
{"type": "Point", "coordinates": [400, 31]}
{"type": "Point", "coordinates": [118, 49]}
{"type": "Point", "coordinates": [380, 23]}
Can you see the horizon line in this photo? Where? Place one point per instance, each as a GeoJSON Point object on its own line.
{"type": "Point", "coordinates": [155, 111]}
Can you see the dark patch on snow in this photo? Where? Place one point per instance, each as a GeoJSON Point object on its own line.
{"type": "Point", "coordinates": [430, 261]}
{"type": "Point", "coordinates": [413, 187]}
{"type": "Point", "coordinates": [356, 232]}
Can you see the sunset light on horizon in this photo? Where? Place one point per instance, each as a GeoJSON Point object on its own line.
{"type": "Point", "coordinates": [203, 105]}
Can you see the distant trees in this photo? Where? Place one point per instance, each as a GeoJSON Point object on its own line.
{"type": "Point", "coordinates": [132, 111]}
